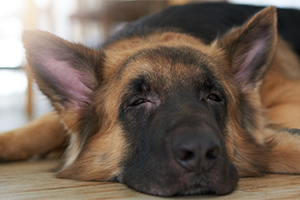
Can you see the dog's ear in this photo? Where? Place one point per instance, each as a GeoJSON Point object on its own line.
{"type": "Point", "coordinates": [250, 48]}
{"type": "Point", "coordinates": [66, 73]}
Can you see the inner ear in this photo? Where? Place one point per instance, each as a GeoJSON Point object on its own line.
{"type": "Point", "coordinates": [250, 48]}
{"type": "Point", "coordinates": [67, 73]}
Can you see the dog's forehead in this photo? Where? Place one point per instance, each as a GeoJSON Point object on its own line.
{"type": "Point", "coordinates": [163, 65]}
{"type": "Point", "coordinates": [164, 54]}
{"type": "Point", "coordinates": [166, 62]}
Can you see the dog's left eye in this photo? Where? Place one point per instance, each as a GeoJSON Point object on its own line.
{"type": "Point", "coordinates": [214, 97]}
{"type": "Point", "coordinates": [138, 102]}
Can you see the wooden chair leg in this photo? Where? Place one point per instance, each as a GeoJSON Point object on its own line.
{"type": "Point", "coordinates": [29, 103]}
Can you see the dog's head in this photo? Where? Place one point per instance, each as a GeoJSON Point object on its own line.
{"type": "Point", "coordinates": [164, 114]}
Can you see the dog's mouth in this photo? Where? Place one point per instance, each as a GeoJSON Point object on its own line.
{"type": "Point", "coordinates": [221, 180]}
{"type": "Point", "coordinates": [195, 187]}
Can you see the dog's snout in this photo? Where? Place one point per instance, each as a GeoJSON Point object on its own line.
{"type": "Point", "coordinates": [196, 151]}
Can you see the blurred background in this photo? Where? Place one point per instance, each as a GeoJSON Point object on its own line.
{"type": "Point", "coordinates": [87, 21]}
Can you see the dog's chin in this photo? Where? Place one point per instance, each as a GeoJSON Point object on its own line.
{"type": "Point", "coordinates": [168, 192]}
{"type": "Point", "coordinates": [197, 189]}
{"type": "Point", "coordinates": [202, 184]}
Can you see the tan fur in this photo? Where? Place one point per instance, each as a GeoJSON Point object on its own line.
{"type": "Point", "coordinates": [104, 150]}
{"type": "Point", "coordinates": [281, 89]}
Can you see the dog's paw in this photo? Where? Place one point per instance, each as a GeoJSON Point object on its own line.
{"type": "Point", "coordinates": [10, 149]}
{"type": "Point", "coordinates": [3, 150]}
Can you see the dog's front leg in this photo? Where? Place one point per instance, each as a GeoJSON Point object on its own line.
{"type": "Point", "coordinates": [38, 137]}
{"type": "Point", "coordinates": [277, 151]}
{"type": "Point", "coordinates": [284, 151]}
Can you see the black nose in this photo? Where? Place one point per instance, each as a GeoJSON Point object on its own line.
{"type": "Point", "coordinates": [196, 151]}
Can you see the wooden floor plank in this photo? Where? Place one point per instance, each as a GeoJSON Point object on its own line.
{"type": "Point", "coordinates": [34, 180]}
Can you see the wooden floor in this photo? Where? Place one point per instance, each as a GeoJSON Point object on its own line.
{"type": "Point", "coordinates": [33, 180]}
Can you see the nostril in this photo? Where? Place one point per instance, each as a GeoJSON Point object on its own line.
{"type": "Point", "coordinates": [211, 157]}
{"type": "Point", "coordinates": [185, 155]}
{"type": "Point", "coordinates": [186, 158]}
{"type": "Point", "coordinates": [212, 154]}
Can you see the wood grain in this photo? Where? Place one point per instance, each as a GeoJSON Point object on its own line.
{"type": "Point", "coordinates": [34, 180]}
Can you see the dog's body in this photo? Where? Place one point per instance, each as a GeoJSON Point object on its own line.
{"type": "Point", "coordinates": [180, 102]}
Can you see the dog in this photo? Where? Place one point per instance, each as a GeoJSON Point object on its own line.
{"type": "Point", "coordinates": [181, 102]}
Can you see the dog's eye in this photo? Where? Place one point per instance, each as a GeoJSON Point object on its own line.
{"type": "Point", "coordinates": [138, 102]}
{"type": "Point", "coordinates": [214, 97]}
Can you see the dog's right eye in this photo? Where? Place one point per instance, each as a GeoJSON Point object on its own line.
{"type": "Point", "coordinates": [214, 97]}
{"type": "Point", "coordinates": [138, 102]}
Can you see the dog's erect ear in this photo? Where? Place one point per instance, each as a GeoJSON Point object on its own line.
{"type": "Point", "coordinates": [67, 73]}
{"type": "Point", "coordinates": [250, 48]}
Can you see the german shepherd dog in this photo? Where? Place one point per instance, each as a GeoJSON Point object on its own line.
{"type": "Point", "coordinates": [181, 102]}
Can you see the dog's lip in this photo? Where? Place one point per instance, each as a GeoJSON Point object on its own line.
{"type": "Point", "coordinates": [200, 184]}
{"type": "Point", "coordinates": [187, 192]}
{"type": "Point", "coordinates": [201, 188]}
{"type": "Point", "coordinates": [173, 192]}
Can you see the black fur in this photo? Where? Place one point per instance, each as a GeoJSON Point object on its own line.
{"type": "Point", "coordinates": [209, 20]}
